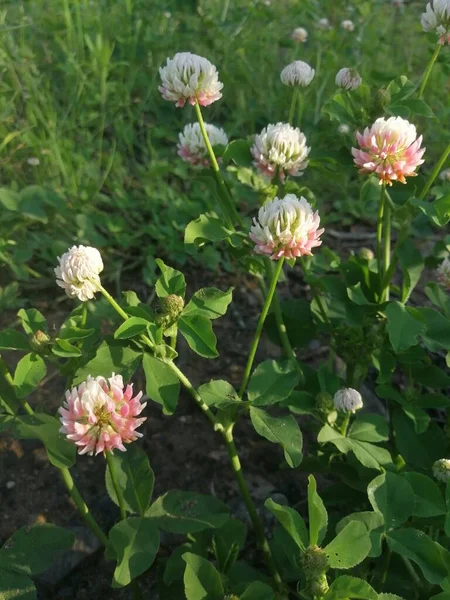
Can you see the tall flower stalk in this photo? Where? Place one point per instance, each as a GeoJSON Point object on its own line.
{"type": "Point", "coordinates": [428, 70]}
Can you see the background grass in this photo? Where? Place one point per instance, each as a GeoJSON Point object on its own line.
{"type": "Point", "coordinates": [78, 92]}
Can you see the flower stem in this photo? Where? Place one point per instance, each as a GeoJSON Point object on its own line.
{"type": "Point", "coordinates": [260, 325]}
{"type": "Point", "coordinates": [10, 383]}
{"type": "Point", "coordinates": [293, 105]}
{"type": "Point", "coordinates": [344, 426]}
{"type": "Point", "coordinates": [256, 521]}
{"type": "Point", "coordinates": [380, 236]}
{"type": "Point", "coordinates": [385, 289]}
{"type": "Point", "coordinates": [434, 173]}
{"type": "Point", "coordinates": [226, 202]}
{"type": "Point", "coordinates": [428, 70]}
{"type": "Point", "coordinates": [83, 314]}
{"type": "Point", "coordinates": [384, 572]}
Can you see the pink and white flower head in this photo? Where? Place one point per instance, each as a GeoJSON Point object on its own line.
{"type": "Point", "coordinates": [279, 150]}
{"type": "Point", "coordinates": [78, 272]}
{"type": "Point", "coordinates": [188, 78]}
{"type": "Point", "coordinates": [297, 73]}
{"type": "Point", "coordinates": [348, 79]}
{"type": "Point", "coordinates": [192, 147]}
{"type": "Point", "coordinates": [443, 273]}
{"type": "Point", "coordinates": [348, 25]}
{"type": "Point", "coordinates": [348, 400]}
{"type": "Point", "coordinates": [300, 35]}
{"type": "Point", "coordinates": [100, 415]}
{"type": "Point", "coordinates": [286, 227]}
{"type": "Point", "coordinates": [437, 18]}
{"type": "Point", "coordinates": [390, 149]}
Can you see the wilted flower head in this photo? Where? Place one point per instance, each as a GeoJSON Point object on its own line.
{"type": "Point", "coordinates": [286, 227]}
{"type": "Point", "coordinates": [445, 175]}
{"type": "Point", "coordinates": [192, 147]}
{"type": "Point", "coordinates": [99, 415]}
{"type": "Point", "coordinates": [323, 23]}
{"type": "Point", "coordinates": [390, 148]}
{"type": "Point", "coordinates": [188, 78]}
{"type": "Point", "coordinates": [441, 469]}
{"type": "Point", "coordinates": [78, 272]}
{"type": "Point", "coordinates": [348, 25]}
{"type": "Point", "coordinates": [437, 18]}
{"type": "Point", "coordinates": [443, 273]}
{"type": "Point", "coordinates": [348, 400]}
{"type": "Point", "coordinates": [280, 149]}
{"type": "Point", "coordinates": [297, 73]}
{"type": "Point", "coordinates": [344, 128]}
{"type": "Point", "coordinates": [348, 79]}
{"type": "Point", "coordinates": [299, 34]}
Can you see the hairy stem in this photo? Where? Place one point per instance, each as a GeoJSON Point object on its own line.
{"type": "Point", "coordinates": [293, 105]}
{"type": "Point", "coordinates": [385, 290]}
{"type": "Point", "coordinates": [428, 70]}
{"type": "Point", "coordinates": [380, 237]}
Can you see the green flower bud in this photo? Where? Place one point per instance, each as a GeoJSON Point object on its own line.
{"type": "Point", "coordinates": [172, 306]}
{"type": "Point", "coordinates": [39, 340]}
{"type": "Point", "coordinates": [366, 254]}
{"type": "Point", "coordinates": [315, 565]}
{"type": "Point", "coordinates": [324, 402]}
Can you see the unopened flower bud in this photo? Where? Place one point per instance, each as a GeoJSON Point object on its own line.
{"type": "Point", "coordinates": [323, 23]}
{"type": "Point", "coordinates": [344, 128]}
{"type": "Point", "coordinates": [366, 254]}
{"type": "Point", "coordinates": [39, 340]}
{"type": "Point", "coordinates": [324, 402]}
{"type": "Point", "coordinates": [441, 469]}
{"type": "Point", "coordinates": [172, 306]}
{"type": "Point", "coordinates": [315, 565]}
{"type": "Point", "coordinates": [348, 400]}
{"type": "Point", "coordinates": [443, 273]}
{"type": "Point", "coordinates": [348, 79]}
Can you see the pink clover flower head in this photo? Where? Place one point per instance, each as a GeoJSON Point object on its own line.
{"type": "Point", "coordinates": [300, 35]}
{"type": "Point", "coordinates": [297, 73]}
{"type": "Point", "coordinates": [100, 415]}
{"type": "Point", "coordinates": [443, 273]}
{"type": "Point", "coordinates": [192, 147]}
{"type": "Point", "coordinates": [187, 78]}
{"type": "Point", "coordinates": [437, 18]}
{"type": "Point", "coordinates": [286, 227]}
{"type": "Point", "coordinates": [348, 400]}
{"type": "Point", "coordinates": [280, 150]}
{"type": "Point", "coordinates": [78, 272]}
{"type": "Point", "coordinates": [390, 148]}
{"type": "Point", "coordinates": [348, 79]}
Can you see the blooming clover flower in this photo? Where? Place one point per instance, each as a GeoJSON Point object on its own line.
{"type": "Point", "coordinates": [344, 128]}
{"type": "Point", "coordinates": [280, 149]}
{"type": "Point", "coordinates": [78, 272]}
{"type": "Point", "coordinates": [348, 79]}
{"type": "Point", "coordinates": [286, 227]}
{"type": "Point", "coordinates": [445, 175]}
{"type": "Point", "coordinates": [390, 148]}
{"type": "Point", "coordinates": [323, 23]}
{"type": "Point", "coordinates": [443, 273]}
{"type": "Point", "coordinates": [441, 469]}
{"type": "Point", "coordinates": [99, 415]}
{"type": "Point", "coordinates": [437, 18]}
{"type": "Point", "coordinates": [192, 147]}
{"type": "Point", "coordinates": [299, 35]}
{"type": "Point", "coordinates": [188, 78]}
{"type": "Point", "coordinates": [348, 25]}
{"type": "Point", "coordinates": [348, 400]}
{"type": "Point", "coordinates": [297, 73]}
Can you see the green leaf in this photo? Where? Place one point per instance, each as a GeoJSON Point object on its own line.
{"type": "Point", "coordinates": [10, 200]}
{"type": "Point", "coordinates": [393, 497]}
{"type": "Point", "coordinates": [14, 586]}
{"type": "Point", "coordinates": [441, 596]}
{"type": "Point", "coordinates": [132, 327]}
{"type": "Point", "coordinates": [32, 320]}
{"type": "Point", "coordinates": [369, 428]}
{"type": "Point", "coordinates": [438, 297]}
{"type": "Point", "coordinates": [403, 328]}
{"type": "Point", "coordinates": [280, 430]}
{"type": "Point", "coordinates": [219, 393]}
{"type": "Point", "coordinates": [134, 478]}
{"type": "Point", "coordinates": [29, 372]}
{"type": "Point", "coordinates": [374, 523]}
{"type": "Point", "coordinates": [134, 542]}
{"type": "Point", "coordinates": [162, 385]}
{"type": "Point", "coordinates": [206, 228]}
{"type": "Point", "coordinates": [188, 512]}
{"type": "Point", "coordinates": [412, 264]}
{"type": "Point", "coordinates": [10, 339]}
{"type": "Point", "coordinates": [199, 334]}
{"type": "Point", "coordinates": [345, 587]}
{"type": "Point", "coordinates": [111, 357]}
{"type": "Point", "coordinates": [317, 514]}
{"type": "Point", "coordinates": [291, 521]}
{"type": "Point", "coordinates": [32, 203]}
{"type": "Point", "coordinates": [258, 591]}
{"type": "Point", "coordinates": [65, 349]}
{"type": "Point", "coordinates": [349, 547]}
{"type": "Point", "coordinates": [392, 597]}
{"type": "Point", "coordinates": [437, 335]}
{"type": "Point", "coordinates": [201, 579]}
{"type": "Point", "coordinates": [419, 451]}
{"type": "Point", "coordinates": [418, 547]}
{"type": "Point", "coordinates": [33, 549]}
{"type": "Point", "coordinates": [209, 302]}
{"type": "Point", "coordinates": [272, 382]}
{"type": "Point", "coordinates": [239, 152]}
{"type": "Point", "coordinates": [429, 500]}
{"type": "Point", "coordinates": [170, 282]}
{"type": "Point", "coordinates": [228, 540]}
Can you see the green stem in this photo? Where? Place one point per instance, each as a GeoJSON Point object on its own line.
{"type": "Point", "coordinates": [83, 314]}
{"type": "Point", "coordinates": [10, 382]}
{"type": "Point", "coordinates": [429, 69]}
{"type": "Point", "coordinates": [257, 525]}
{"type": "Point", "coordinates": [412, 571]}
{"type": "Point", "coordinates": [435, 172]}
{"type": "Point", "coordinates": [380, 236]}
{"type": "Point", "coordinates": [227, 205]}
{"type": "Point", "coordinates": [345, 423]}
{"type": "Point", "coordinates": [260, 325]}
{"type": "Point", "coordinates": [385, 289]}
{"type": "Point", "coordinates": [293, 105]}
{"type": "Point", "coordinates": [384, 572]}
{"type": "Point", "coordinates": [173, 340]}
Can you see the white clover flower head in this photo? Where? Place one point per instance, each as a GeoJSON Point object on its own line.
{"type": "Point", "coordinates": [167, 14]}
{"type": "Point", "coordinates": [348, 79]}
{"type": "Point", "coordinates": [441, 469]}
{"type": "Point", "coordinates": [78, 272]}
{"type": "Point", "coordinates": [33, 161]}
{"type": "Point", "coordinates": [297, 73]}
{"type": "Point", "coordinates": [188, 78]}
{"type": "Point", "coordinates": [192, 147]}
{"type": "Point", "coordinates": [348, 400]}
{"type": "Point", "coordinates": [344, 128]}
{"type": "Point", "coordinates": [348, 25]}
{"type": "Point", "coordinates": [323, 24]}
{"type": "Point", "coordinates": [286, 227]}
{"type": "Point", "coordinates": [437, 18]}
{"type": "Point", "coordinates": [280, 149]}
{"type": "Point", "coordinates": [445, 175]}
{"type": "Point", "coordinates": [300, 35]}
{"type": "Point", "coordinates": [443, 273]}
